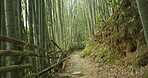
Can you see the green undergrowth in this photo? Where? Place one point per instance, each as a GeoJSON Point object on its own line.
{"type": "Point", "coordinates": [100, 55]}
{"type": "Point", "coordinates": [86, 51]}
{"type": "Point", "coordinates": [103, 56]}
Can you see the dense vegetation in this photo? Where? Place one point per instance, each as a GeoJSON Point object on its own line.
{"type": "Point", "coordinates": [120, 39]}
{"type": "Point", "coordinates": [35, 34]}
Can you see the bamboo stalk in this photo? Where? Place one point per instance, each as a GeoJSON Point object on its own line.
{"type": "Point", "coordinates": [16, 53]}
{"type": "Point", "coordinates": [13, 40]}
{"type": "Point", "coordinates": [23, 53]}
{"type": "Point", "coordinates": [45, 70]}
{"type": "Point", "coordinates": [13, 67]}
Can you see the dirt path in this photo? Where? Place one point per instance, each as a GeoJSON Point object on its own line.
{"type": "Point", "coordinates": [77, 67]}
{"type": "Point", "coordinates": [82, 67]}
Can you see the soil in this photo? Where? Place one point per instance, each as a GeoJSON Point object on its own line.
{"type": "Point", "coordinates": [77, 64]}
{"type": "Point", "coordinates": [87, 68]}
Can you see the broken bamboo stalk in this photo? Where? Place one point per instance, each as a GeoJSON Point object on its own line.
{"type": "Point", "coordinates": [45, 70]}
{"type": "Point", "coordinates": [22, 53]}
{"type": "Point", "coordinates": [49, 68]}
{"type": "Point", "coordinates": [14, 67]}
{"type": "Point", "coordinates": [15, 41]}
{"type": "Point", "coordinates": [55, 44]}
{"type": "Point", "coordinates": [16, 53]}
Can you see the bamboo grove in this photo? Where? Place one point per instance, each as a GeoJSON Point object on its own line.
{"type": "Point", "coordinates": [39, 28]}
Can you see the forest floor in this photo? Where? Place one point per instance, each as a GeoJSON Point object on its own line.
{"type": "Point", "coordinates": [77, 67]}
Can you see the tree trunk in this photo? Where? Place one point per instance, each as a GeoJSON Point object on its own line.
{"type": "Point", "coordinates": [143, 11]}
{"type": "Point", "coordinates": [30, 23]}
{"type": "Point", "coordinates": [0, 33]}
{"type": "Point", "coordinates": [11, 29]}
{"type": "Point", "coordinates": [3, 32]}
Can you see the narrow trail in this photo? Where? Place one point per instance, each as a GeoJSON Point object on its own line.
{"type": "Point", "coordinates": [79, 67]}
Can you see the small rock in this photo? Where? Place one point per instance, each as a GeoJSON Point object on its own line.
{"type": "Point", "coordinates": [77, 73]}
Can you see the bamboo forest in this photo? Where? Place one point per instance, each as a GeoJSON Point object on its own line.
{"type": "Point", "coordinates": [73, 38]}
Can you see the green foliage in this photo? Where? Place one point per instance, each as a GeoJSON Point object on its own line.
{"type": "Point", "coordinates": [99, 20]}
{"type": "Point", "coordinates": [102, 51]}
{"type": "Point", "coordinates": [103, 56]}
{"type": "Point", "coordinates": [83, 43]}
{"type": "Point", "coordinates": [84, 39]}
{"type": "Point", "coordinates": [81, 74]}
{"type": "Point", "coordinates": [20, 67]}
{"type": "Point", "coordinates": [86, 51]}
